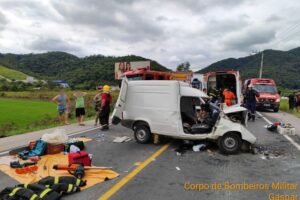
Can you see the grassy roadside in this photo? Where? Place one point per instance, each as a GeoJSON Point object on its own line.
{"type": "Point", "coordinates": [32, 111]}
{"type": "Point", "coordinates": [284, 106]}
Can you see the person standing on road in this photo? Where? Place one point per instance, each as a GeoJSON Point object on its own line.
{"type": "Point", "coordinates": [62, 102]}
{"type": "Point", "coordinates": [105, 107]}
{"type": "Point", "coordinates": [292, 101]}
{"type": "Point", "coordinates": [80, 107]}
{"type": "Point", "coordinates": [229, 97]}
{"type": "Point", "coordinates": [214, 95]}
{"type": "Point", "coordinates": [250, 101]}
{"type": "Point", "coordinates": [97, 101]}
{"type": "Point", "coordinates": [297, 99]}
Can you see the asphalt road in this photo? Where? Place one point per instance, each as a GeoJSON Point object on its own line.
{"type": "Point", "coordinates": [169, 176]}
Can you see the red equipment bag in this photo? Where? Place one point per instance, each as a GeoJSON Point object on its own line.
{"type": "Point", "coordinates": [80, 157]}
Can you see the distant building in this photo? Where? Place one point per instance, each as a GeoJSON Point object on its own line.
{"type": "Point", "coordinates": [61, 83]}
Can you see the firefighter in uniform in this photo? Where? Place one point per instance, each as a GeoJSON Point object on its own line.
{"type": "Point", "coordinates": [214, 95]}
{"type": "Point", "coordinates": [229, 97]}
{"type": "Point", "coordinates": [250, 101]}
{"type": "Point", "coordinates": [105, 107]}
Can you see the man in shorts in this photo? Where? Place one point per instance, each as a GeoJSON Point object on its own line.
{"type": "Point", "coordinates": [62, 102]}
{"type": "Point", "coordinates": [80, 107]}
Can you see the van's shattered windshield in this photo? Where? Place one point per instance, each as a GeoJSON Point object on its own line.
{"type": "Point", "coordinates": [265, 88]}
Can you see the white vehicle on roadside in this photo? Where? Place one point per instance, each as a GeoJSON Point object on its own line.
{"type": "Point", "coordinates": [168, 108]}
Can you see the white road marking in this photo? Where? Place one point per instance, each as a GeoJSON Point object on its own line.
{"type": "Point", "coordinates": [3, 153]}
{"type": "Point", "coordinates": [268, 121]}
{"type": "Point", "coordinates": [292, 141]}
{"type": "Point", "coordinates": [286, 136]}
{"type": "Point", "coordinates": [79, 132]}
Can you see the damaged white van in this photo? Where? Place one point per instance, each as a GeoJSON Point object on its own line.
{"type": "Point", "coordinates": [168, 108]}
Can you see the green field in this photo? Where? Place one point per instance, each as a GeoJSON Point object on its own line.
{"type": "Point", "coordinates": [19, 115]}
{"type": "Point", "coordinates": [284, 106]}
{"type": "Point", "coordinates": [12, 74]}
{"type": "Point", "coordinates": [23, 112]}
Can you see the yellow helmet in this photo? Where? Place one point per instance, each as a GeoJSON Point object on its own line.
{"type": "Point", "coordinates": [106, 88]}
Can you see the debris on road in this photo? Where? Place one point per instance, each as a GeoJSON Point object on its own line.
{"type": "Point", "coordinates": [268, 152]}
{"type": "Point", "coordinates": [286, 129]}
{"type": "Point", "coordinates": [281, 128]}
{"type": "Point", "coordinates": [199, 147]}
{"type": "Point", "coordinates": [178, 153]}
{"type": "Point", "coordinates": [271, 127]}
{"type": "Point", "coordinates": [178, 168]}
{"type": "Point", "coordinates": [156, 139]}
{"type": "Point", "coordinates": [78, 142]}
{"type": "Point", "coordinates": [183, 146]}
{"type": "Point", "coordinates": [58, 136]}
{"type": "Point", "coordinates": [122, 139]}
{"type": "Point", "coordinates": [196, 146]}
{"type": "Point", "coordinates": [74, 148]}
{"type": "Point", "coordinates": [100, 137]}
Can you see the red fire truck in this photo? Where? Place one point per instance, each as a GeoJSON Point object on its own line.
{"type": "Point", "coordinates": [269, 97]}
{"type": "Point", "coordinates": [146, 74]}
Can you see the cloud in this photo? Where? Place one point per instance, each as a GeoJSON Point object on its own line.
{"type": "Point", "coordinates": [247, 39]}
{"type": "Point", "coordinates": [3, 21]}
{"type": "Point", "coordinates": [273, 18]}
{"type": "Point", "coordinates": [110, 18]}
{"type": "Point", "coordinates": [53, 44]}
{"type": "Point", "coordinates": [200, 6]}
{"type": "Point", "coordinates": [161, 18]}
{"type": "Point", "coordinates": [170, 31]}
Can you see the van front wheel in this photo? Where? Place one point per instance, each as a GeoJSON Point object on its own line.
{"type": "Point", "coordinates": [230, 143]}
{"type": "Point", "coordinates": [142, 134]}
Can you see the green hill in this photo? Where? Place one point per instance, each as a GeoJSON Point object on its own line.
{"type": "Point", "coordinates": [282, 66]}
{"type": "Point", "coordinates": [84, 72]}
{"type": "Point", "coordinates": [11, 74]}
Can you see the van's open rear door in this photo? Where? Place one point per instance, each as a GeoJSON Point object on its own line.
{"type": "Point", "coordinates": [120, 104]}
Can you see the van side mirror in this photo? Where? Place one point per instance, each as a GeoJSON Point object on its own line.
{"type": "Point", "coordinates": [279, 92]}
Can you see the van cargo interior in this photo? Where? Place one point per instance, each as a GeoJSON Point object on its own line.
{"type": "Point", "coordinates": [222, 81]}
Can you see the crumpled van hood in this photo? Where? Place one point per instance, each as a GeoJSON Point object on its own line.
{"type": "Point", "coordinates": [234, 109]}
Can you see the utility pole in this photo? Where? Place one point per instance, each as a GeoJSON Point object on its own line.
{"type": "Point", "coordinates": [261, 64]}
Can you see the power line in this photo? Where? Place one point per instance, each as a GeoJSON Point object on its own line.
{"type": "Point", "coordinates": [288, 29]}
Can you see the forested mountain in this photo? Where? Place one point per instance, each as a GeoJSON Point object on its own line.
{"type": "Point", "coordinates": [80, 72]}
{"type": "Point", "coordinates": [282, 66]}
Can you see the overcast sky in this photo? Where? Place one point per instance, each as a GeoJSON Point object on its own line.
{"type": "Point", "coordinates": [170, 31]}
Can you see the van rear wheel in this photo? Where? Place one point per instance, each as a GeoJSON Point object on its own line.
{"type": "Point", "coordinates": [230, 143]}
{"type": "Point", "coordinates": [142, 134]}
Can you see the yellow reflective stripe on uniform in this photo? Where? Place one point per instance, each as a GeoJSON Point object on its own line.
{"type": "Point", "coordinates": [44, 192]}
{"type": "Point", "coordinates": [56, 179]}
{"type": "Point", "coordinates": [70, 188]}
{"type": "Point", "coordinates": [13, 192]}
{"type": "Point", "coordinates": [47, 186]}
{"type": "Point", "coordinates": [34, 197]}
{"type": "Point", "coordinates": [77, 182]}
{"type": "Point", "coordinates": [26, 185]}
